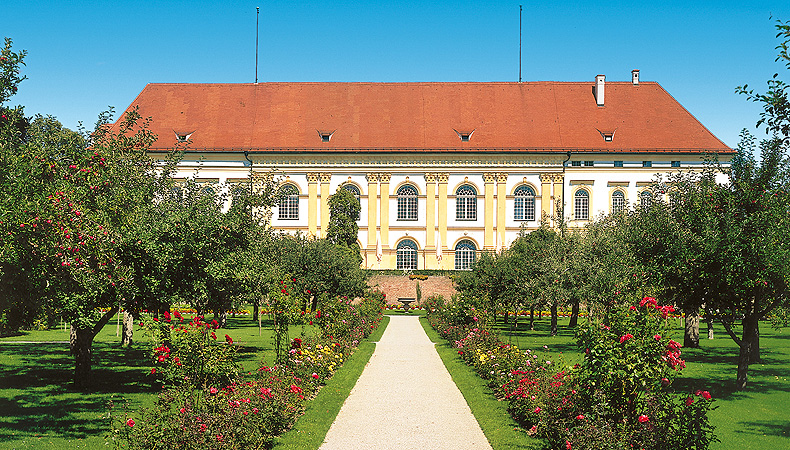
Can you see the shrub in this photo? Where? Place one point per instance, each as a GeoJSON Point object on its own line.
{"type": "Point", "coordinates": [189, 352]}
{"type": "Point", "coordinates": [196, 410]}
{"type": "Point", "coordinates": [620, 395]}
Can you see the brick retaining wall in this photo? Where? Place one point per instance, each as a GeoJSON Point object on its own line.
{"type": "Point", "coordinates": [401, 286]}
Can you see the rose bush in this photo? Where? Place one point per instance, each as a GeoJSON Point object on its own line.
{"type": "Point", "coordinates": [619, 397]}
{"type": "Point", "coordinates": [196, 410]}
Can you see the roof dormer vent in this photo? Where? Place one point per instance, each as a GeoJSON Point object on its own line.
{"type": "Point", "coordinates": [608, 136]}
{"type": "Point", "coordinates": [600, 80]}
{"type": "Point", "coordinates": [325, 135]}
{"type": "Point", "coordinates": [464, 136]}
{"type": "Point", "coordinates": [183, 136]}
{"type": "Point", "coordinates": [635, 77]}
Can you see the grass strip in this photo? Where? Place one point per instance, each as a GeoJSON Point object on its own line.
{"type": "Point", "coordinates": [311, 428]}
{"type": "Point", "coordinates": [491, 414]}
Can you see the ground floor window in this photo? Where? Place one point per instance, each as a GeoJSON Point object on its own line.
{"type": "Point", "coordinates": [465, 254]}
{"type": "Point", "coordinates": [407, 255]}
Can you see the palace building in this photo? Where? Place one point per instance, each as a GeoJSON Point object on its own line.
{"type": "Point", "coordinates": [442, 170]}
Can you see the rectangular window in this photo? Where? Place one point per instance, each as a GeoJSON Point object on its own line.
{"type": "Point", "coordinates": [647, 163]}
{"type": "Point", "coordinates": [675, 164]}
{"type": "Point", "coordinates": [576, 163]}
{"type": "Point", "coordinates": [407, 208]}
{"type": "Point", "coordinates": [581, 208]}
{"type": "Point", "coordinates": [289, 208]}
{"type": "Point", "coordinates": [618, 164]}
{"type": "Point", "coordinates": [589, 163]}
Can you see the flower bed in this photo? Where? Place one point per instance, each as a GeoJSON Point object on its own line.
{"type": "Point", "coordinates": [620, 396]}
{"type": "Point", "coordinates": [207, 403]}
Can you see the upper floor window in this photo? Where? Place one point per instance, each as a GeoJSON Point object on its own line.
{"type": "Point", "coordinates": [407, 202]}
{"type": "Point", "coordinates": [465, 254]}
{"type": "Point", "coordinates": [524, 208]}
{"type": "Point", "coordinates": [354, 191]}
{"type": "Point", "coordinates": [581, 205]}
{"type": "Point", "coordinates": [576, 163]}
{"type": "Point", "coordinates": [589, 163]}
{"type": "Point", "coordinates": [675, 164]}
{"type": "Point", "coordinates": [618, 164]}
{"type": "Point", "coordinates": [289, 203]}
{"type": "Point", "coordinates": [466, 203]}
{"type": "Point", "coordinates": [647, 163]}
{"type": "Point", "coordinates": [407, 255]}
{"type": "Point", "coordinates": [618, 201]}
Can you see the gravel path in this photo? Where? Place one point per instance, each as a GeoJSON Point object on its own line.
{"type": "Point", "coordinates": [405, 399]}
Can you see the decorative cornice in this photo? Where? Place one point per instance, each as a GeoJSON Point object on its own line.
{"type": "Point", "coordinates": [398, 160]}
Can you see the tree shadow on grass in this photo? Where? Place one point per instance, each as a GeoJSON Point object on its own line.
{"type": "Point", "coordinates": [721, 364]}
{"type": "Point", "coordinates": [765, 427]}
{"type": "Point", "coordinates": [37, 396]}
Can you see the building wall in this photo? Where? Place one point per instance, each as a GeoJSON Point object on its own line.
{"type": "Point", "coordinates": [436, 179]}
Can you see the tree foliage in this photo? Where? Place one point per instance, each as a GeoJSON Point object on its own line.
{"type": "Point", "coordinates": [343, 215]}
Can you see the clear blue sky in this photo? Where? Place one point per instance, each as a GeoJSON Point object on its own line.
{"type": "Point", "coordinates": [84, 56]}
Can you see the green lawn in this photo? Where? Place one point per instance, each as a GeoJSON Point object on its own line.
{"type": "Point", "coordinates": [39, 408]}
{"type": "Point", "coordinates": [757, 418]}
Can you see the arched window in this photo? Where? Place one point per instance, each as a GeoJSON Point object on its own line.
{"type": "Point", "coordinates": [466, 203]}
{"type": "Point", "coordinates": [355, 191]}
{"type": "Point", "coordinates": [581, 205]}
{"type": "Point", "coordinates": [407, 255]}
{"type": "Point", "coordinates": [238, 191]}
{"type": "Point", "coordinates": [524, 208]}
{"type": "Point", "coordinates": [177, 193]}
{"type": "Point", "coordinates": [289, 203]}
{"type": "Point", "coordinates": [465, 254]}
{"type": "Point", "coordinates": [407, 202]}
{"type": "Point", "coordinates": [618, 201]}
{"type": "Point", "coordinates": [646, 198]}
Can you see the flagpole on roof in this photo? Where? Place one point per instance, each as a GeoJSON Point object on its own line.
{"type": "Point", "coordinates": [519, 43]}
{"type": "Point", "coordinates": [257, 13]}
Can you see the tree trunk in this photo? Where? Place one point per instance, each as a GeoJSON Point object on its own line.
{"type": "Point", "coordinates": [81, 342]}
{"type": "Point", "coordinates": [255, 312]}
{"type": "Point", "coordinates": [691, 332]}
{"type": "Point", "coordinates": [574, 315]}
{"type": "Point", "coordinates": [223, 319]}
{"type": "Point", "coordinates": [127, 333]}
{"type": "Point", "coordinates": [754, 354]}
{"type": "Point", "coordinates": [532, 318]}
{"type": "Point", "coordinates": [709, 320]}
{"type": "Point", "coordinates": [554, 319]}
{"type": "Point", "coordinates": [750, 333]}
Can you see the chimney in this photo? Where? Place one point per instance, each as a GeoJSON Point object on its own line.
{"type": "Point", "coordinates": [635, 77]}
{"type": "Point", "coordinates": [599, 85]}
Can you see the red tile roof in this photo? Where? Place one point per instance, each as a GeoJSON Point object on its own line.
{"type": "Point", "coordinates": [402, 117]}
